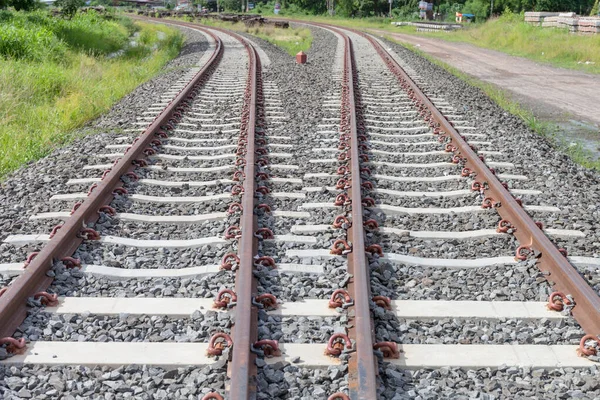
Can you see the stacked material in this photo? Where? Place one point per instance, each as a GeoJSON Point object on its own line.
{"type": "Point", "coordinates": [564, 20]}
{"type": "Point", "coordinates": [429, 26]}
{"type": "Point", "coordinates": [589, 25]}
{"type": "Point", "coordinates": [538, 17]}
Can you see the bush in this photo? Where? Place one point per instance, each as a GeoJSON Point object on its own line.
{"type": "Point", "coordinates": [69, 7]}
{"type": "Point", "coordinates": [34, 43]}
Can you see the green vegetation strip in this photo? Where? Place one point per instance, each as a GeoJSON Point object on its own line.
{"type": "Point", "coordinates": [56, 75]}
{"type": "Point", "coordinates": [575, 151]}
{"type": "Point", "coordinates": [292, 40]}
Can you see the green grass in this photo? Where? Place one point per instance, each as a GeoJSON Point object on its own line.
{"type": "Point", "coordinates": [45, 98]}
{"type": "Point", "coordinates": [292, 40]}
{"type": "Point", "coordinates": [575, 151]}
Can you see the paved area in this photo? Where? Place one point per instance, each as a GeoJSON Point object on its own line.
{"type": "Point", "coordinates": [573, 92]}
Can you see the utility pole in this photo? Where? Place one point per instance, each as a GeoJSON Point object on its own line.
{"type": "Point", "coordinates": [391, 8]}
{"type": "Point", "coordinates": [491, 8]}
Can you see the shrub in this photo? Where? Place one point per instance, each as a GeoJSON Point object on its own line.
{"type": "Point", "coordinates": [34, 43]}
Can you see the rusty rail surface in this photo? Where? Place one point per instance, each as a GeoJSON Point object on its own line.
{"type": "Point", "coordinates": [241, 367]}
{"type": "Point", "coordinates": [70, 235]}
{"type": "Point", "coordinates": [362, 364]}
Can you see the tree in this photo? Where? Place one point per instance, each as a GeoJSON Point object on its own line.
{"type": "Point", "coordinates": [69, 7]}
{"type": "Point", "coordinates": [25, 5]}
{"type": "Point", "coordinates": [595, 9]}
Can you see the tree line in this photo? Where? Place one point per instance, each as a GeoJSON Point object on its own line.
{"type": "Point", "coordinates": [482, 9]}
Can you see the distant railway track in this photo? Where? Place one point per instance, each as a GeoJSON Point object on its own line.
{"type": "Point", "coordinates": [254, 215]}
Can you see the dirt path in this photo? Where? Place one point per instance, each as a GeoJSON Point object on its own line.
{"type": "Point", "coordinates": [560, 95]}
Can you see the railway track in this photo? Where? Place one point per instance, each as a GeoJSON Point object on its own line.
{"type": "Point", "coordinates": [300, 277]}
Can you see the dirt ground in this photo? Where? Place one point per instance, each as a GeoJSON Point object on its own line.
{"type": "Point", "coordinates": [569, 98]}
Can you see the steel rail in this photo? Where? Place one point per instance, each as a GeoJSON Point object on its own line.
{"type": "Point", "coordinates": [13, 303]}
{"type": "Point", "coordinates": [564, 277]}
{"type": "Point", "coordinates": [362, 364]}
{"type": "Point", "coordinates": [242, 367]}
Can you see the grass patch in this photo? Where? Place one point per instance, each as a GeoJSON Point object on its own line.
{"type": "Point", "coordinates": [44, 98]}
{"type": "Point", "coordinates": [292, 40]}
{"type": "Point", "coordinates": [575, 151]}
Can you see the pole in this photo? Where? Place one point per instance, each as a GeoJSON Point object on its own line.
{"type": "Point", "coordinates": [391, 9]}
{"type": "Point", "coordinates": [491, 8]}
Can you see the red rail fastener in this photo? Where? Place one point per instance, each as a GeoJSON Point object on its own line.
{"type": "Point", "coordinates": [235, 207]}
{"type": "Point", "coordinates": [228, 260]}
{"type": "Point", "coordinates": [212, 396]}
{"type": "Point", "coordinates": [540, 225]}
{"type": "Point", "coordinates": [340, 184]}
{"type": "Point", "coordinates": [340, 199]}
{"type": "Point", "coordinates": [265, 207]}
{"type": "Point", "coordinates": [465, 172]}
{"type": "Point", "coordinates": [336, 249]}
{"type": "Point", "coordinates": [374, 249]}
{"type": "Point", "coordinates": [522, 253]}
{"type": "Point", "coordinates": [368, 202]}
{"type": "Point", "coordinates": [264, 233]}
{"type": "Point", "coordinates": [237, 189]}
{"type": "Point", "coordinates": [91, 189]}
{"type": "Point", "coordinates": [488, 202]}
{"type": "Point", "coordinates": [383, 302]}
{"type": "Point", "coordinates": [75, 207]}
{"type": "Point", "coordinates": [342, 170]}
{"type": "Point", "coordinates": [3, 290]}
{"type": "Point", "coordinates": [140, 163]}
{"type": "Point", "coordinates": [476, 186]}
{"type": "Point", "coordinates": [14, 346]}
{"type": "Point", "coordinates": [339, 222]}
{"type": "Point", "coordinates": [232, 232]}
{"type": "Point", "coordinates": [55, 230]}
{"type": "Point", "coordinates": [339, 298]}
{"type": "Point", "coordinates": [224, 297]}
{"type": "Point", "coordinates": [263, 190]}
{"type": "Point", "coordinates": [504, 226]}
{"type": "Point", "coordinates": [217, 342]}
{"type": "Point", "coordinates": [563, 252]}
{"type": "Point", "coordinates": [121, 191]}
{"type": "Point", "coordinates": [269, 347]}
{"type": "Point", "coordinates": [89, 234]}
{"type": "Point", "coordinates": [71, 262]}
{"type": "Point", "coordinates": [265, 261]}
{"type": "Point", "coordinates": [585, 350]}
{"type": "Point", "coordinates": [108, 210]}
{"type": "Point", "coordinates": [338, 396]}
{"type": "Point", "coordinates": [47, 299]}
{"type": "Point", "coordinates": [30, 258]}
{"type": "Point", "coordinates": [267, 300]}
{"type": "Point", "coordinates": [371, 224]}
{"type": "Point", "coordinates": [336, 342]}
{"type": "Point", "coordinates": [238, 175]}
{"type": "Point", "coordinates": [389, 349]}
{"type": "Point", "coordinates": [557, 301]}
{"type": "Point", "coordinates": [133, 176]}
